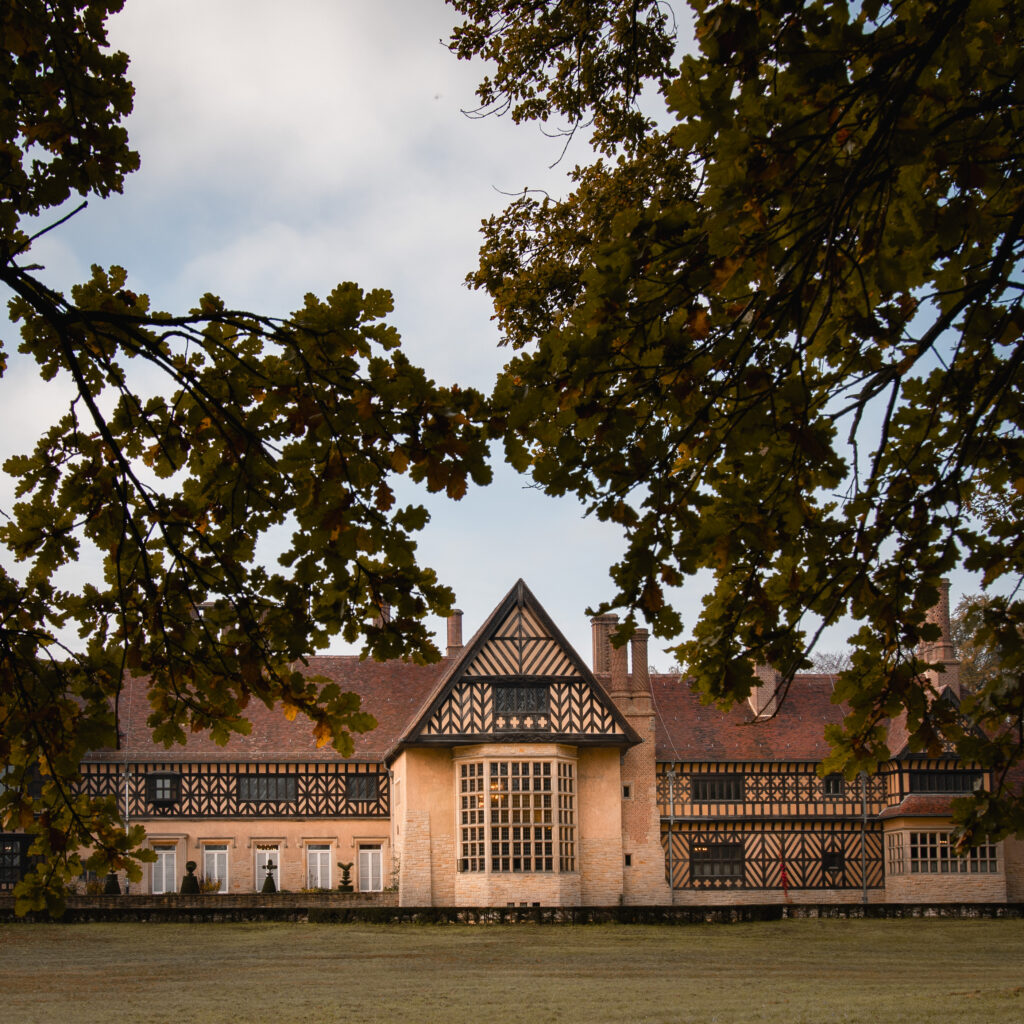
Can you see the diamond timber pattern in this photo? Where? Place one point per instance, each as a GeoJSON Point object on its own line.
{"type": "Point", "coordinates": [519, 645]}
{"type": "Point", "coordinates": [211, 790]}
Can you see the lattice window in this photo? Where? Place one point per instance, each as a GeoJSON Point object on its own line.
{"type": "Point", "coordinates": [512, 700]}
{"type": "Point", "coordinates": [472, 817]}
{"type": "Point", "coordinates": [935, 853]}
{"type": "Point", "coordinates": [897, 862]}
{"type": "Point", "coordinates": [716, 861]}
{"type": "Point", "coordinates": [279, 789]}
{"type": "Point", "coordinates": [936, 781]}
{"type": "Point", "coordinates": [566, 818]}
{"type": "Point", "coordinates": [717, 788]}
{"type": "Point", "coordinates": [521, 816]}
{"type": "Point", "coordinates": [362, 787]}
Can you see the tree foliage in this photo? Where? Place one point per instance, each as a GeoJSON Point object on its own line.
{"type": "Point", "coordinates": [780, 339]}
{"type": "Point", "coordinates": [191, 441]}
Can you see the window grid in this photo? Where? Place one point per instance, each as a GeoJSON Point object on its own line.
{"type": "Point", "coordinates": [896, 861]}
{"type": "Point", "coordinates": [521, 816]}
{"type": "Point", "coordinates": [716, 860]}
{"type": "Point", "coordinates": [472, 817]}
{"type": "Point", "coordinates": [362, 787]}
{"type": "Point", "coordinates": [566, 818]}
{"type": "Point", "coordinates": [936, 781]}
{"type": "Point", "coordinates": [717, 788]}
{"type": "Point", "coordinates": [935, 853]}
{"type": "Point", "coordinates": [280, 789]}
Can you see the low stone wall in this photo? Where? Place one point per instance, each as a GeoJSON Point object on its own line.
{"type": "Point", "coordinates": [382, 908]}
{"type": "Point", "coordinates": [280, 906]}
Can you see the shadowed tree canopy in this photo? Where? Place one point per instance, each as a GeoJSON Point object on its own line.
{"type": "Point", "coordinates": [190, 438]}
{"type": "Point", "coordinates": [776, 334]}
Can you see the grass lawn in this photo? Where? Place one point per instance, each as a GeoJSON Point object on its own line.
{"type": "Point", "coordinates": [832, 972]}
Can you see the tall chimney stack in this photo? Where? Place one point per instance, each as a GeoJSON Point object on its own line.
{"type": "Point", "coordinates": [763, 698]}
{"type": "Point", "coordinates": [601, 628]}
{"type": "Point", "coordinates": [454, 632]}
{"type": "Point", "coordinates": [641, 677]}
{"type": "Point", "coordinates": [941, 650]}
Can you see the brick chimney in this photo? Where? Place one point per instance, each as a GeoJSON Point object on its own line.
{"type": "Point", "coordinates": [601, 628]}
{"type": "Point", "coordinates": [763, 699]}
{"type": "Point", "coordinates": [619, 689]}
{"type": "Point", "coordinates": [454, 633]}
{"type": "Point", "coordinates": [641, 675]}
{"type": "Point", "coordinates": [941, 650]}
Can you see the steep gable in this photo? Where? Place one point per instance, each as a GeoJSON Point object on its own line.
{"type": "Point", "coordinates": [519, 680]}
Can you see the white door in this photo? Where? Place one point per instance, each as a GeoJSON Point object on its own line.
{"type": "Point", "coordinates": [165, 876]}
{"type": "Point", "coordinates": [215, 865]}
{"type": "Point", "coordinates": [318, 866]}
{"type": "Point", "coordinates": [267, 854]}
{"type": "Point", "coordinates": [369, 869]}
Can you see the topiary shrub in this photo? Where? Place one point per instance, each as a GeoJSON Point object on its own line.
{"type": "Point", "coordinates": [346, 877]}
{"type": "Point", "coordinates": [268, 882]}
{"type": "Point", "coordinates": [190, 884]}
{"type": "Point", "coordinates": [111, 887]}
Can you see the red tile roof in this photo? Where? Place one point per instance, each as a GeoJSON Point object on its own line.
{"type": "Point", "coordinates": [690, 731]}
{"type": "Point", "coordinates": [393, 692]}
{"type": "Point", "coordinates": [921, 805]}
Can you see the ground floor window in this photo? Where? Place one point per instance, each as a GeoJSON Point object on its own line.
{"type": "Point", "coordinates": [13, 859]}
{"type": "Point", "coordinates": [370, 874]}
{"type": "Point", "coordinates": [716, 861]}
{"type": "Point", "coordinates": [318, 866]}
{"type": "Point", "coordinates": [215, 865]}
{"type": "Point", "coordinates": [935, 853]}
{"type": "Point", "coordinates": [517, 816]}
{"type": "Point", "coordinates": [165, 874]}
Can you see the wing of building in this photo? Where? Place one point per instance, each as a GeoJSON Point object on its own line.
{"type": "Point", "coordinates": [513, 772]}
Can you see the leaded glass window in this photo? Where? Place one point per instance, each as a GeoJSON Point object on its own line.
{"type": "Point", "coordinates": [517, 816]}
{"type": "Point", "coordinates": [278, 789]}
{"type": "Point", "coordinates": [717, 861]}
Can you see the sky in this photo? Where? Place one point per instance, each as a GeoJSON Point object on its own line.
{"type": "Point", "coordinates": [283, 154]}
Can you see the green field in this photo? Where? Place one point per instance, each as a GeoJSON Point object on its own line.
{"type": "Point", "coordinates": [860, 972]}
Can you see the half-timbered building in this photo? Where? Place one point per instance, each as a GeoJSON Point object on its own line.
{"type": "Point", "coordinates": [514, 772]}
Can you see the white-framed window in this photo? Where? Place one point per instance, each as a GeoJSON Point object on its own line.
{"type": "Point", "coordinates": [268, 855]}
{"type": "Point", "coordinates": [318, 866]}
{"type": "Point", "coordinates": [165, 874]}
{"type": "Point", "coordinates": [371, 877]}
{"type": "Point", "coordinates": [215, 864]}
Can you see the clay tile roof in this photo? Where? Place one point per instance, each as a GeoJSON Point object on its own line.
{"type": "Point", "coordinates": [690, 731]}
{"type": "Point", "coordinates": [921, 805]}
{"type": "Point", "coordinates": [393, 692]}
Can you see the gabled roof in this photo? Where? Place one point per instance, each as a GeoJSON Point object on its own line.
{"type": "Point", "coordinates": [687, 730]}
{"type": "Point", "coordinates": [520, 646]}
